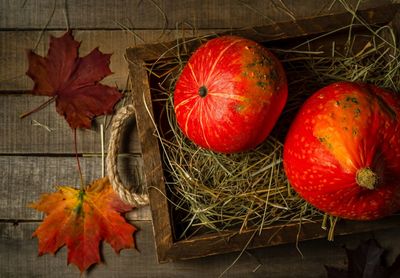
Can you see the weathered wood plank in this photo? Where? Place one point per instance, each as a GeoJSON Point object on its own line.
{"type": "Point", "coordinates": [27, 136]}
{"type": "Point", "coordinates": [270, 33]}
{"type": "Point", "coordinates": [151, 160]}
{"type": "Point", "coordinates": [18, 257]}
{"type": "Point", "coordinates": [140, 14]}
{"type": "Point", "coordinates": [15, 63]}
{"type": "Point", "coordinates": [24, 179]}
{"type": "Point", "coordinates": [14, 44]}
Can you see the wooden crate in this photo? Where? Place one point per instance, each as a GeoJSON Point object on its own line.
{"type": "Point", "coordinates": [168, 247]}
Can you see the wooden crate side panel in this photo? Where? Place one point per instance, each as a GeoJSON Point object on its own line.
{"type": "Point", "coordinates": [316, 25]}
{"type": "Point", "coordinates": [151, 158]}
{"type": "Point", "coordinates": [224, 242]}
{"type": "Point", "coordinates": [270, 32]}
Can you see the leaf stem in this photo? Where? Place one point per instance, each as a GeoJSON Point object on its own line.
{"type": "Point", "coordinates": [40, 107]}
{"type": "Point", "coordinates": [102, 150]}
{"type": "Point", "coordinates": [77, 160]}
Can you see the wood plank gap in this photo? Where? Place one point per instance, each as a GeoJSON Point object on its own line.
{"type": "Point", "coordinates": [41, 154]}
{"type": "Point", "coordinates": [16, 222]}
{"type": "Point", "coordinates": [20, 221]}
{"type": "Point", "coordinates": [121, 155]}
{"type": "Point", "coordinates": [113, 29]}
{"type": "Point", "coordinates": [13, 92]}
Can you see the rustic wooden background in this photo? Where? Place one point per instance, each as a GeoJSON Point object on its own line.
{"type": "Point", "coordinates": [36, 153]}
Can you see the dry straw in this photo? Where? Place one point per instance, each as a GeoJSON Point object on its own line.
{"type": "Point", "coordinates": [221, 192]}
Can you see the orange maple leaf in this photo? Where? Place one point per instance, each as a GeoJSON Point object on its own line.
{"type": "Point", "coordinates": [80, 219]}
{"type": "Point", "coordinates": [73, 81]}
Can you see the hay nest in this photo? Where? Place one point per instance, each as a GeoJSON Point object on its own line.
{"type": "Point", "coordinates": [250, 189]}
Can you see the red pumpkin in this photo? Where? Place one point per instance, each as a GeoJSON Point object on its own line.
{"type": "Point", "coordinates": [342, 151]}
{"type": "Point", "coordinates": [230, 94]}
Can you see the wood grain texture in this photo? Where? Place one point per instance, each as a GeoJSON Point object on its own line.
{"type": "Point", "coordinates": [152, 162]}
{"type": "Point", "coordinates": [18, 252]}
{"type": "Point", "coordinates": [269, 33]}
{"type": "Point", "coordinates": [158, 14]}
{"type": "Point", "coordinates": [224, 242]}
{"type": "Point", "coordinates": [25, 178]}
{"type": "Point", "coordinates": [14, 45]}
{"type": "Point", "coordinates": [33, 161]}
{"type": "Point", "coordinates": [46, 132]}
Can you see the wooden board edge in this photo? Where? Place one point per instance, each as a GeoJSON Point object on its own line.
{"type": "Point", "coordinates": [317, 25]}
{"type": "Point", "coordinates": [233, 241]}
{"type": "Point", "coordinates": [272, 32]}
{"type": "Point", "coordinates": [153, 170]}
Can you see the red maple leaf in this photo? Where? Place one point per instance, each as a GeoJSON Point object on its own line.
{"type": "Point", "coordinates": [73, 81]}
{"type": "Point", "coordinates": [82, 218]}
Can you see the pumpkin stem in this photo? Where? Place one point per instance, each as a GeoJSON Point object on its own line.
{"type": "Point", "coordinates": [367, 178]}
{"type": "Point", "coordinates": [203, 91]}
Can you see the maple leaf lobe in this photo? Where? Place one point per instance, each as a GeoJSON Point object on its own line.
{"type": "Point", "coordinates": [73, 81]}
{"type": "Point", "coordinates": [38, 73]}
{"type": "Point", "coordinates": [62, 57]}
{"type": "Point", "coordinates": [80, 219]}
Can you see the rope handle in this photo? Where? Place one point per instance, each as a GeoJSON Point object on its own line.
{"type": "Point", "coordinates": [133, 199]}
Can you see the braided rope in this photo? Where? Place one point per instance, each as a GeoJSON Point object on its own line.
{"type": "Point", "coordinates": [133, 199]}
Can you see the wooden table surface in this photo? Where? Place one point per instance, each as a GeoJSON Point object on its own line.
{"type": "Point", "coordinates": [37, 153]}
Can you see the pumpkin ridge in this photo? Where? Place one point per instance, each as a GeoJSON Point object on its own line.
{"type": "Point", "coordinates": [192, 72]}
{"type": "Point", "coordinates": [202, 124]}
{"type": "Point", "coordinates": [220, 55]}
{"type": "Point", "coordinates": [184, 102]}
{"type": "Point", "coordinates": [188, 117]}
{"type": "Point", "coordinates": [229, 96]}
